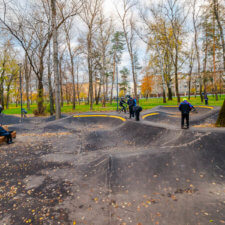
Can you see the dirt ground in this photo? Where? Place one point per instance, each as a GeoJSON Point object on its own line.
{"type": "Point", "coordinates": [104, 171]}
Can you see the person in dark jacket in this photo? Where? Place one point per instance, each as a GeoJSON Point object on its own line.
{"type": "Point", "coordinates": [1, 109]}
{"type": "Point", "coordinates": [137, 110]}
{"type": "Point", "coordinates": [185, 107]}
{"type": "Point", "coordinates": [130, 103]}
{"type": "Point", "coordinates": [6, 134]}
{"type": "Point", "coordinates": [122, 102]}
{"type": "Point", "coordinates": [135, 101]}
{"type": "Point", "coordinates": [206, 99]}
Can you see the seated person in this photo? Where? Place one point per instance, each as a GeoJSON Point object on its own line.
{"type": "Point", "coordinates": [6, 134]}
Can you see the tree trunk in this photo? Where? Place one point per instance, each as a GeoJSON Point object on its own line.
{"type": "Point", "coordinates": [55, 59]}
{"type": "Point", "coordinates": [195, 88]}
{"type": "Point", "coordinates": [31, 95]}
{"type": "Point", "coordinates": [78, 89]}
{"type": "Point", "coordinates": [176, 76]}
{"type": "Point", "coordinates": [113, 77]}
{"type": "Point", "coordinates": [40, 100]}
{"type": "Point", "coordinates": [198, 59]}
{"type": "Point", "coordinates": [90, 72]}
{"type": "Point", "coordinates": [61, 82]}
{"type": "Point", "coordinates": [72, 68]}
{"type": "Point", "coordinates": [27, 80]}
{"type": "Point", "coordinates": [50, 91]}
{"type": "Point", "coordinates": [164, 96]}
{"type": "Point", "coordinates": [2, 102]}
{"type": "Point", "coordinates": [189, 87]}
{"type": "Point", "coordinates": [216, 12]}
{"type": "Point", "coordinates": [104, 91]}
{"type": "Point", "coordinates": [8, 95]}
{"type": "Point", "coordinates": [170, 93]}
{"type": "Point", "coordinates": [73, 83]}
{"type": "Point", "coordinates": [214, 60]}
{"type": "Point", "coordinates": [168, 83]}
{"type": "Point", "coordinates": [99, 94]}
{"type": "Point", "coordinates": [205, 64]}
{"type": "Point", "coordinates": [134, 76]}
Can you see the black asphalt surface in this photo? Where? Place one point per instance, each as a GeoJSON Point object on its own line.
{"type": "Point", "coordinates": [172, 116]}
{"type": "Point", "coordinates": [103, 171]}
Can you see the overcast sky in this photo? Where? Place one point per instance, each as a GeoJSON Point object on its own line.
{"type": "Point", "coordinates": [109, 8]}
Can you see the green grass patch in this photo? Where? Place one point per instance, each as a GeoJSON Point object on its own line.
{"type": "Point", "coordinates": [145, 103]}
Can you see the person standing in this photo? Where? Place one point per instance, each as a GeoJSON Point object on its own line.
{"type": "Point", "coordinates": [1, 108]}
{"type": "Point", "coordinates": [135, 101]}
{"type": "Point", "coordinates": [137, 110]}
{"type": "Point", "coordinates": [185, 107]}
{"type": "Point", "coordinates": [130, 103]}
{"type": "Point", "coordinates": [206, 99]}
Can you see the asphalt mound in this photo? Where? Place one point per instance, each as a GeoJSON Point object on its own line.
{"type": "Point", "coordinates": [160, 175]}
{"type": "Point", "coordinates": [107, 171]}
{"type": "Point", "coordinates": [172, 116]}
{"type": "Point", "coordinates": [9, 119]}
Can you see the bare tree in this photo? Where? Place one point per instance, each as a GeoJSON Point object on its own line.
{"type": "Point", "coordinates": [191, 64]}
{"type": "Point", "coordinates": [218, 19]}
{"type": "Point", "coordinates": [128, 24]}
{"type": "Point", "coordinates": [175, 12]}
{"type": "Point", "coordinates": [159, 44]}
{"type": "Point", "coordinates": [27, 75]}
{"type": "Point", "coordinates": [195, 16]}
{"type": "Point", "coordinates": [33, 24]}
{"type": "Point", "coordinates": [89, 15]}
{"type": "Point", "coordinates": [73, 51]}
{"type": "Point", "coordinates": [103, 40]}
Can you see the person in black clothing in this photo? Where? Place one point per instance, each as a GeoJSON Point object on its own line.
{"type": "Point", "coordinates": [137, 110]}
{"type": "Point", "coordinates": [206, 99]}
{"type": "Point", "coordinates": [6, 134]}
{"type": "Point", "coordinates": [185, 107]}
{"type": "Point", "coordinates": [122, 102]}
{"type": "Point", "coordinates": [130, 103]}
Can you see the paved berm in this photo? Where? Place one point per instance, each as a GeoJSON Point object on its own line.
{"type": "Point", "coordinates": [98, 170]}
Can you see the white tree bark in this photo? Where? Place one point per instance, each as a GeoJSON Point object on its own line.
{"type": "Point", "coordinates": [56, 61]}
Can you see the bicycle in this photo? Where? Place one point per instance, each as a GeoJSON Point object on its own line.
{"type": "Point", "coordinates": [121, 109]}
{"type": "Point", "coordinates": [194, 110]}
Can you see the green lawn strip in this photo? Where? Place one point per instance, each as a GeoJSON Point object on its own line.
{"type": "Point", "coordinates": [145, 103]}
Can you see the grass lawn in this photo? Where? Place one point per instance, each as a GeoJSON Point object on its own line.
{"type": "Point", "coordinates": [146, 104]}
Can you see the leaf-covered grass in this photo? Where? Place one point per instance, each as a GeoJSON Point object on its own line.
{"type": "Point", "coordinates": [145, 103]}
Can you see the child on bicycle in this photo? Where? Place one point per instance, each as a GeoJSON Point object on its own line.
{"type": "Point", "coordinates": [122, 102]}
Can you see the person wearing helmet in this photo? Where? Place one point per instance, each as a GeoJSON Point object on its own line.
{"type": "Point", "coordinates": [122, 102]}
{"type": "Point", "coordinates": [130, 103]}
{"type": "Point", "coordinates": [185, 107]}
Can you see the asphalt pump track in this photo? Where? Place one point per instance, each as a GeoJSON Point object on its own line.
{"type": "Point", "coordinates": [142, 173]}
